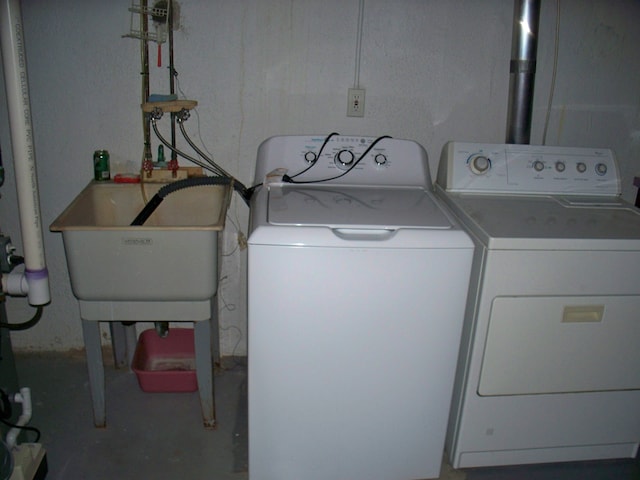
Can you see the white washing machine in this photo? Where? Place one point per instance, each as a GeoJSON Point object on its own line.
{"type": "Point", "coordinates": [548, 367]}
{"type": "Point", "coordinates": [357, 285]}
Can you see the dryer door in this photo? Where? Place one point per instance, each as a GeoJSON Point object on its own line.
{"type": "Point", "coordinates": [561, 344]}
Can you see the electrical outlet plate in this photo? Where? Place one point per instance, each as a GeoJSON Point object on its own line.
{"type": "Point", "coordinates": [355, 102]}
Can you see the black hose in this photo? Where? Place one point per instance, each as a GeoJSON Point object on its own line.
{"type": "Point", "coordinates": [24, 325]}
{"type": "Point", "coordinates": [148, 209]}
{"type": "Point", "coordinates": [5, 405]}
{"type": "Point", "coordinates": [243, 191]}
{"type": "Point", "coordinates": [170, 188]}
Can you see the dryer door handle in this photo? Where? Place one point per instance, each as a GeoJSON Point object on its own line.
{"type": "Point", "coordinates": [362, 234]}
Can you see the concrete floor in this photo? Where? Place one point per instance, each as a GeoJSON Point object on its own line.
{"type": "Point", "coordinates": [160, 436]}
{"type": "Point", "coordinates": [148, 435]}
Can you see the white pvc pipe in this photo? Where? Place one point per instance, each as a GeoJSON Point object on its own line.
{"type": "Point", "coordinates": [24, 160]}
{"type": "Point", "coordinates": [24, 397]}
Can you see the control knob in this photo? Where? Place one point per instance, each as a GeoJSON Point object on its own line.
{"type": "Point", "coordinates": [581, 167]}
{"type": "Point", "coordinates": [480, 164]}
{"type": "Point", "coordinates": [601, 169]}
{"type": "Point", "coordinates": [538, 166]}
{"type": "Point", "coordinates": [310, 157]}
{"type": "Point", "coordinates": [344, 158]}
{"type": "Point", "coordinates": [380, 159]}
{"type": "Point", "coordinates": [560, 166]}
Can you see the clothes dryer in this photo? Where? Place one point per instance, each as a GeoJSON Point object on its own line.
{"type": "Point", "coordinates": [548, 367]}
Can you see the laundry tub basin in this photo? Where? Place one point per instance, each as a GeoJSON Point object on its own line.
{"type": "Point", "coordinates": [165, 270]}
{"type": "Point", "coordinates": [173, 257]}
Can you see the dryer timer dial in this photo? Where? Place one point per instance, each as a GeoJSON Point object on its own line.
{"type": "Point", "coordinates": [479, 164]}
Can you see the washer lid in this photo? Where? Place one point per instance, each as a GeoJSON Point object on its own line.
{"type": "Point", "coordinates": [355, 207]}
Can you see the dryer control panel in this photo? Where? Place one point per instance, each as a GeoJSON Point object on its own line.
{"type": "Point", "coordinates": [345, 160]}
{"type": "Point", "coordinates": [528, 169]}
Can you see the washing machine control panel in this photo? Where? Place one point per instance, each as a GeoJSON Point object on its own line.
{"type": "Point", "coordinates": [340, 159]}
{"type": "Point", "coordinates": [503, 168]}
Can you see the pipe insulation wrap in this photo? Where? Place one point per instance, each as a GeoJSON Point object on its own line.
{"type": "Point", "coordinates": [22, 141]}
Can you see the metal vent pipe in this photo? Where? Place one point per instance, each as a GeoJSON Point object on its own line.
{"type": "Point", "coordinates": [522, 70]}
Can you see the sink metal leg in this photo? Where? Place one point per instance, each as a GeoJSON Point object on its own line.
{"type": "Point", "coordinates": [93, 346]}
{"type": "Point", "coordinates": [215, 330]}
{"type": "Point", "coordinates": [204, 371]}
{"type": "Point", "coordinates": [131, 340]}
{"type": "Point", "coordinates": [123, 341]}
{"type": "Point", "coordinates": [118, 342]}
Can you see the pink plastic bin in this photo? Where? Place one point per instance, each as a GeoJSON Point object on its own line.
{"type": "Point", "coordinates": [166, 364]}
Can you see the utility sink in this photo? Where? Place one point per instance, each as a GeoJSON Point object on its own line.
{"type": "Point", "coordinates": [165, 270]}
{"type": "Point", "coordinates": [172, 257]}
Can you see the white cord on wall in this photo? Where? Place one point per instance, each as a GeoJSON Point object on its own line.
{"type": "Point", "coordinates": [356, 78]}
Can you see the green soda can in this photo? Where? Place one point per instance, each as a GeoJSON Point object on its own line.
{"type": "Point", "coordinates": [101, 169]}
